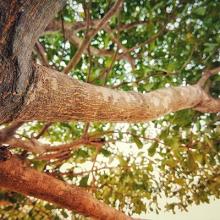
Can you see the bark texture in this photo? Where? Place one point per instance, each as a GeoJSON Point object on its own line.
{"type": "Point", "coordinates": [21, 23]}
{"type": "Point", "coordinates": [15, 175]}
{"type": "Point", "coordinates": [32, 92]}
{"type": "Point", "coordinates": [57, 97]}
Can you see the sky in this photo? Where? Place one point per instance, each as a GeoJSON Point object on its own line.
{"type": "Point", "coordinates": [202, 212]}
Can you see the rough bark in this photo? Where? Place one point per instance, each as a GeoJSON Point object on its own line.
{"type": "Point", "coordinates": [21, 23]}
{"type": "Point", "coordinates": [29, 92]}
{"type": "Point", "coordinates": [15, 175]}
{"type": "Point", "coordinates": [57, 97]}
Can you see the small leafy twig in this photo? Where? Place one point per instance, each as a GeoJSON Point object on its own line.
{"type": "Point", "coordinates": [88, 37]}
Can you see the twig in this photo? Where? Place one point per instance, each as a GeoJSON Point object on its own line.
{"type": "Point", "coordinates": [42, 54]}
{"type": "Point", "coordinates": [7, 133]}
{"type": "Point", "coordinates": [43, 130]}
{"type": "Point", "coordinates": [88, 37]}
{"type": "Point", "coordinates": [125, 51]}
{"type": "Point", "coordinates": [207, 74]}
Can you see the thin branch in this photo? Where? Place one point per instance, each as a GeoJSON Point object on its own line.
{"type": "Point", "coordinates": [188, 59]}
{"type": "Point", "coordinates": [7, 132]}
{"type": "Point", "coordinates": [207, 74]}
{"type": "Point", "coordinates": [76, 41]}
{"type": "Point", "coordinates": [81, 25]}
{"type": "Point", "coordinates": [111, 66]}
{"type": "Point", "coordinates": [88, 37]}
{"type": "Point", "coordinates": [43, 130]}
{"type": "Point", "coordinates": [125, 51]}
{"type": "Point", "coordinates": [42, 54]}
{"type": "Point", "coordinates": [31, 145]}
{"type": "Point", "coordinates": [59, 155]}
{"type": "Point", "coordinates": [148, 41]}
{"type": "Point", "coordinates": [126, 27]}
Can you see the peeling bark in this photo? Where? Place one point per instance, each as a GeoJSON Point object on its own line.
{"type": "Point", "coordinates": [15, 175]}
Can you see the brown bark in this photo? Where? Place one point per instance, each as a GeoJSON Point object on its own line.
{"type": "Point", "coordinates": [21, 23]}
{"type": "Point", "coordinates": [57, 97]}
{"type": "Point", "coordinates": [15, 175]}
{"type": "Point", "coordinates": [29, 92]}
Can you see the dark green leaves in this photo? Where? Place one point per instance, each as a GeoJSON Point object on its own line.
{"type": "Point", "coordinates": [137, 141]}
{"type": "Point", "coordinates": [152, 149]}
{"type": "Point", "coordinates": [84, 181]}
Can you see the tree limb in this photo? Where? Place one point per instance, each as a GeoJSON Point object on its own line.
{"type": "Point", "coordinates": [15, 175]}
{"type": "Point", "coordinates": [57, 97]}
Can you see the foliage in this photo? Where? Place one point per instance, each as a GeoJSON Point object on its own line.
{"type": "Point", "coordinates": [176, 157]}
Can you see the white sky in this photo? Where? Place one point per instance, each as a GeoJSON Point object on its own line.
{"type": "Point", "coordinates": [202, 212]}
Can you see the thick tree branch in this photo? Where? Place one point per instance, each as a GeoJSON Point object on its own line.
{"type": "Point", "coordinates": [208, 103]}
{"type": "Point", "coordinates": [56, 97]}
{"type": "Point", "coordinates": [47, 151]}
{"type": "Point", "coordinates": [28, 145]}
{"type": "Point", "coordinates": [17, 176]}
{"type": "Point", "coordinates": [207, 74]}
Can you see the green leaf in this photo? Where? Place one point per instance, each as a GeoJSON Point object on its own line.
{"type": "Point", "coordinates": [65, 215]}
{"type": "Point", "coordinates": [191, 162]}
{"type": "Point", "coordinates": [49, 207]}
{"type": "Point", "coordinates": [152, 149]}
{"type": "Point", "coordinates": [84, 181]}
{"type": "Point", "coordinates": [200, 11]}
{"type": "Point", "coordinates": [137, 142]}
{"type": "Point", "coordinates": [106, 153]}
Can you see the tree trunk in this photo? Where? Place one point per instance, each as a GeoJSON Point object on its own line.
{"type": "Point", "coordinates": [16, 176]}
{"type": "Point", "coordinates": [31, 92]}
{"type": "Point", "coordinates": [21, 24]}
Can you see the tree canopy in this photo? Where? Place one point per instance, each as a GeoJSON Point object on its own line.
{"type": "Point", "coordinates": [142, 46]}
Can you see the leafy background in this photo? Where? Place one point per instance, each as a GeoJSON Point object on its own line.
{"type": "Point", "coordinates": [133, 166]}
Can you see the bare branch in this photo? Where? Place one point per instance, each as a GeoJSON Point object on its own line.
{"type": "Point", "coordinates": [81, 25]}
{"type": "Point", "coordinates": [73, 39]}
{"type": "Point", "coordinates": [17, 176]}
{"type": "Point", "coordinates": [42, 54]}
{"type": "Point", "coordinates": [31, 145]}
{"type": "Point", "coordinates": [125, 51]}
{"type": "Point", "coordinates": [91, 34]}
{"type": "Point", "coordinates": [126, 27]}
{"type": "Point", "coordinates": [43, 130]}
{"type": "Point", "coordinates": [207, 74]}
{"type": "Point", "coordinates": [208, 103]}
{"type": "Point", "coordinates": [7, 132]}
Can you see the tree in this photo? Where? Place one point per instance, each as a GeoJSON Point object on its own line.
{"type": "Point", "coordinates": [140, 61]}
